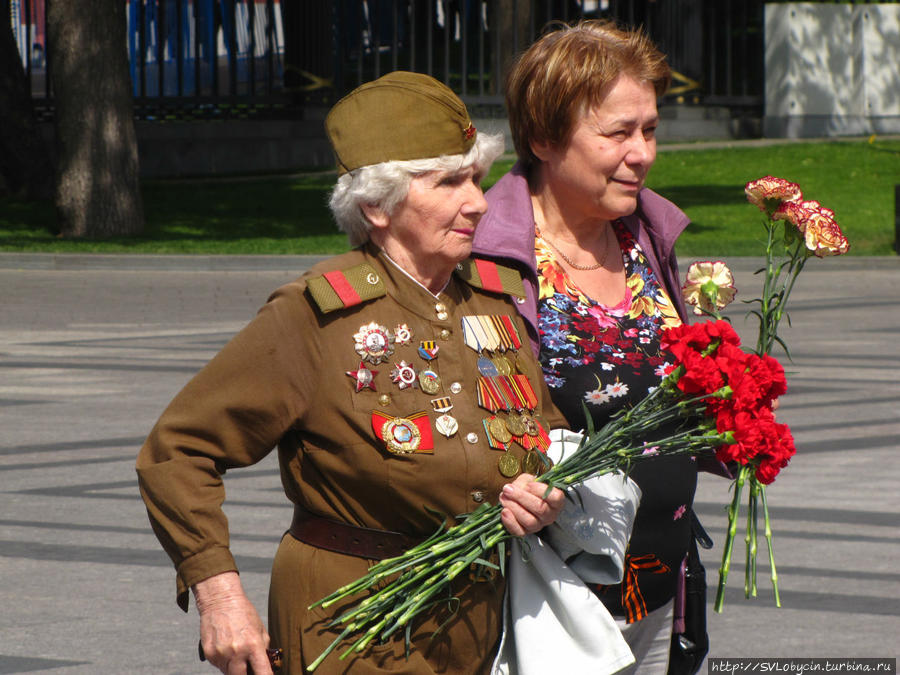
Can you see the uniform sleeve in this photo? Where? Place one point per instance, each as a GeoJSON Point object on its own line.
{"type": "Point", "coordinates": [554, 417]}
{"type": "Point", "coordinates": [231, 414]}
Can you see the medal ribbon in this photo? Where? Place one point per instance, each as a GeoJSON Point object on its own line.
{"type": "Point", "coordinates": [441, 405]}
{"type": "Point", "coordinates": [506, 342]}
{"type": "Point", "coordinates": [511, 392]}
{"type": "Point", "coordinates": [470, 335]}
{"type": "Point", "coordinates": [543, 439]}
{"type": "Point", "coordinates": [527, 390]}
{"type": "Point", "coordinates": [511, 331]}
{"type": "Point", "coordinates": [492, 339]}
{"type": "Point", "coordinates": [488, 397]}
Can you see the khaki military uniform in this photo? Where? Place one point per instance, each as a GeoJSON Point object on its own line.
{"type": "Point", "coordinates": [299, 377]}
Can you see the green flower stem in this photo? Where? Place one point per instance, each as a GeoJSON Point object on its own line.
{"type": "Point", "coordinates": [797, 261]}
{"type": "Point", "coordinates": [750, 570]}
{"type": "Point", "coordinates": [321, 657]}
{"type": "Point", "coordinates": [412, 581]}
{"type": "Point", "coordinates": [765, 298]}
{"type": "Point", "coordinates": [769, 546]}
{"type": "Point", "coordinates": [729, 539]}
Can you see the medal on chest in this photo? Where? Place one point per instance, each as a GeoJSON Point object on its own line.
{"type": "Point", "coordinates": [403, 375]}
{"type": "Point", "coordinates": [403, 435]}
{"type": "Point", "coordinates": [374, 343]}
{"type": "Point", "coordinates": [365, 378]}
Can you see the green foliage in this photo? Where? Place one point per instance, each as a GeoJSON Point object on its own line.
{"type": "Point", "coordinates": [854, 179]}
{"type": "Point", "coordinates": [289, 215]}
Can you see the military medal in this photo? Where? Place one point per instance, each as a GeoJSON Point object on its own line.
{"type": "Point", "coordinates": [532, 463]}
{"type": "Point", "coordinates": [364, 377]}
{"type": "Point", "coordinates": [531, 427]}
{"type": "Point", "coordinates": [515, 425]}
{"type": "Point", "coordinates": [498, 430]}
{"type": "Point", "coordinates": [492, 442]}
{"type": "Point", "coordinates": [429, 382]}
{"type": "Point", "coordinates": [509, 465]}
{"type": "Point", "coordinates": [402, 334]}
{"type": "Point", "coordinates": [446, 424]}
{"type": "Point", "coordinates": [403, 435]}
{"type": "Point", "coordinates": [487, 367]}
{"type": "Point", "coordinates": [502, 365]}
{"type": "Point", "coordinates": [374, 343]}
{"type": "Point", "coordinates": [428, 350]}
{"type": "Point", "coordinates": [403, 375]}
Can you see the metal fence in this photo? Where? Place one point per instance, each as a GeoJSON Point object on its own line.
{"type": "Point", "coordinates": [714, 46]}
{"type": "Point", "coordinates": [225, 58]}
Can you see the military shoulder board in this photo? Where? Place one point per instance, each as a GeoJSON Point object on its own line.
{"type": "Point", "coordinates": [345, 288]}
{"type": "Point", "coordinates": [491, 277]}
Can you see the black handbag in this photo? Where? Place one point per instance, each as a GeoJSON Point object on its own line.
{"type": "Point", "coordinates": [689, 648]}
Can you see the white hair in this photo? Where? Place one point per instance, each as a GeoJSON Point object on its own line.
{"type": "Point", "coordinates": [385, 185]}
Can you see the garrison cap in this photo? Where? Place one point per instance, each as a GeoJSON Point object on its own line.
{"type": "Point", "coordinates": [399, 116]}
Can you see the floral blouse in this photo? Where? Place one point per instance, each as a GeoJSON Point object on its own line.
{"type": "Point", "coordinates": [606, 358]}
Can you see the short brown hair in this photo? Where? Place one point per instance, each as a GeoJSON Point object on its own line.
{"type": "Point", "coordinates": [569, 68]}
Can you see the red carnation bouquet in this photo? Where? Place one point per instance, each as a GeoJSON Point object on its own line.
{"type": "Point", "coordinates": [717, 398]}
{"type": "Point", "coordinates": [795, 230]}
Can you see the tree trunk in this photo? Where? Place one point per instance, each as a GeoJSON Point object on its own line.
{"type": "Point", "coordinates": [25, 164]}
{"type": "Point", "coordinates": [98, 189]}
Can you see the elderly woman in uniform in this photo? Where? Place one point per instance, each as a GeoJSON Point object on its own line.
{"type": "Point", "coordinates": [368, 374]}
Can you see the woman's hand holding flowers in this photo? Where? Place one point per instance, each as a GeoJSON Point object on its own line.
{"type": "Point", "coordinates": [527, 506]}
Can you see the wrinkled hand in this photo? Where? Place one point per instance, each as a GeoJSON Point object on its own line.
{"type": "Point", "coordinates": [525, 511]}
{"type": "Point", "coordinates": [232, 635]}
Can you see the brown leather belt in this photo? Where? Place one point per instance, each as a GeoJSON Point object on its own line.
{"type": "Point", "coordinates": [361, 542]}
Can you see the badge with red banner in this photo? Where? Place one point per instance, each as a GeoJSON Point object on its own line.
{"type": "Point", "coordinates": [404, 435]}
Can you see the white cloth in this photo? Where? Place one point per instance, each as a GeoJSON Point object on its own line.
{"type": "Point", "coordinates": [650, 641]}
{"type": "Point", "coordinates": [552, 621]}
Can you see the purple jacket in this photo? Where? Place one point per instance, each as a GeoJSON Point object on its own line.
{"type": "Point", "coordinates": [506, 234]}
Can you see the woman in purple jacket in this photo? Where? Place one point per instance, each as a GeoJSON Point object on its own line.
{"type": "Point", "coordinates": [597, 248]}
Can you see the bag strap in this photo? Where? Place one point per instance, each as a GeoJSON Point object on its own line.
{"type": "Point", "coordinates": [700, 534]}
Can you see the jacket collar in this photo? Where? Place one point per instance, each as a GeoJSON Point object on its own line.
{"type": "Point", "coordinates": [507, 229]}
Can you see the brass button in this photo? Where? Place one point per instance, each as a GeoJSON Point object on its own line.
{"type": "Point", "coordinates": [445, 334]}
{"type": "Point", "coordinates": [384, 399]}
{"type": "Point", "coordinates": [442, 316]}
{"type": "Point", "coordinates": [455, 388]}
{"type": "Point", "coordinates": [472, 437]}
{"type": "Point", "coordinates": [478, 496]}
{"type": "Point", "coordinates": [372, 278]}
{"type": "Point", "coordinates": [440, 307]}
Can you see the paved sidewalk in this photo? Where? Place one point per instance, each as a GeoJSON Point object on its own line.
{"type": "Point", "coordinates": [93, 347]}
